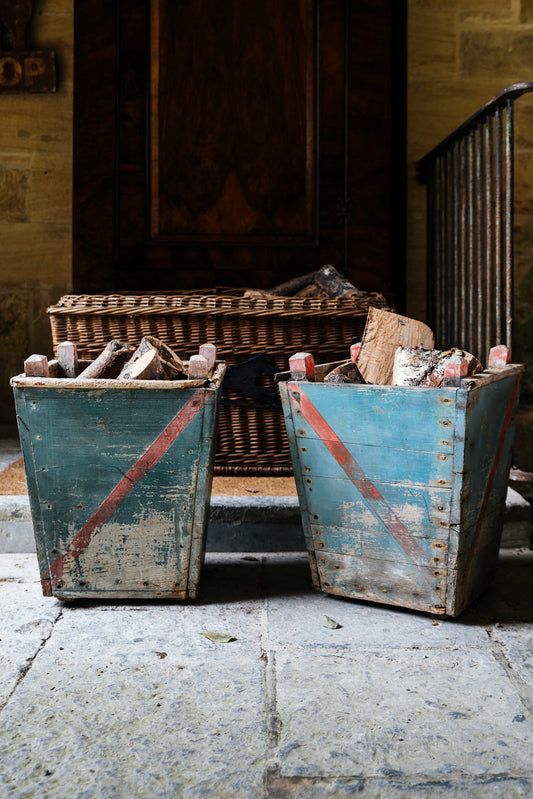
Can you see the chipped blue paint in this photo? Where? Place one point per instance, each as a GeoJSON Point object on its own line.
{"type": "Point", "coordinates": [427, 455]}
{"type": "Point", "coordinates": [79, 444]}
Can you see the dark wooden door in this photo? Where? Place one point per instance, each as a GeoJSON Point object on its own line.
{"type": "Point", "coordinates": [237, 143]}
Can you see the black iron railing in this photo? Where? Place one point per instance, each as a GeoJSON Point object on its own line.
{"type": "Point", "coordinates": [469, 179]}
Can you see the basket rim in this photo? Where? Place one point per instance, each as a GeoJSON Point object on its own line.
{"type": "Point", "coordinates": [212, 302]}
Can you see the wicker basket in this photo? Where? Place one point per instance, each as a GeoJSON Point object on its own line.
{"type": "Point", "coordinates": [252, 439]}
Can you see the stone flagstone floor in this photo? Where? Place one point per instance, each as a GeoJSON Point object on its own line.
{"type": "Point", "coordinates": [109, 700]}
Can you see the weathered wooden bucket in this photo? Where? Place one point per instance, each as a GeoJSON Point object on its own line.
{"type": "Point", "coordinates": [119, 479]}
{"type": "Point", "coordinates": [402, 489]}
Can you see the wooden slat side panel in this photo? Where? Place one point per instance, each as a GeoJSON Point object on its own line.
{"type": "Point", "coordinates": [379, 464]}
{"type": "Point", "coordinates": [299, 479]}
{"type": "Point", "coordinates": [370, 415]}
{"type": "Point", "coordinates": [33, 491]}
{"type": "Point", "coordinates": [365, 578]}
{"type": "Point", "coordinates": [369, 540]}
{"type": "Point", "coordinates": [143, 555]}
{"type": "Point", "coordinates": [299, 472]}
{"type": "Point", "coordinates": [202, 490]}
{"type": "Point", "coordinates": [455, 506]}
{"type": "Point", "coordinates": [387, 506]}
{"type": "Point", "coordinates": [424, 511]}
{"type": "Point", "coordinates": [490, 432]}
{"type": "Point", "coordinates": [470, 581]}
{"type": "Point", "coordinates": [488, 450]}
{"type": "Point", "coordinates": [85, 444]}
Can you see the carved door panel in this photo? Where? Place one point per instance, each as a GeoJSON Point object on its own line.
{"type": "Point", "coordinates": [236, 143]}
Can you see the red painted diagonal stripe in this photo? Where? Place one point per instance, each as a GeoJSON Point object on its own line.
{"type": "Point", "coordinates": [378, 505]}
{"type": "Point", "coordinates": [146, 462]}
{"type": "Point", "coordinates": [492, 476]}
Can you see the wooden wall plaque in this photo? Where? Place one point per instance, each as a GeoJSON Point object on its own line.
{"type": "Point", "coordinates": [21, 70]}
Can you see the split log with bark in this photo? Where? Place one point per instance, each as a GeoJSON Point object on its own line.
{"type": "Point", "coordinates": [172, 367]}
{"type": "Point", "coordinates": [416, 366]}
{"type": "Point", "coordinates": [110, 361]}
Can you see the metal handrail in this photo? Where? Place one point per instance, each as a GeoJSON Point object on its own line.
{"type": "Point", "coordinates": [470, 182]}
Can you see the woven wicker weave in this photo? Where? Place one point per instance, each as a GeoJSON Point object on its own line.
{"type": "Point", "coordinates": [252, 440]}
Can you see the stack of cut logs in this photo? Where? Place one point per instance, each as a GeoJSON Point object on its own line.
{"type": "Point", "coordinates": [152, 359]}
{"type": "Point", "coordinates": [398, 351]}
{"type": "Point", "coordinates": [324, 282]}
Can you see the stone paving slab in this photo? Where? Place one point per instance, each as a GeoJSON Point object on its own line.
{"type": "Point", "coordinates": [403, 713]}
{"type": "Point", "coordinates": [514, 642]}
{"type": "Point", "coordinates": [280, 787]}
{"type": "Point", "coordinates": [112, 700]}
{"type": "Point", "coordinates": [365, 626]}
{"type": "Point", "coordinates": [27, 618]}
{"type": "Point", "coordinates": [148, 730]}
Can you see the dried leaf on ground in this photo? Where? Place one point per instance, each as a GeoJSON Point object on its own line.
{"type": "Point", "coordinates": [219, 638]}
{"type": "Point", "coordinates": [330, 623]}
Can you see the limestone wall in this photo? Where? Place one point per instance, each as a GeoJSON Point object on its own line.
{"type": "Point", "coordinates": [35, 200]}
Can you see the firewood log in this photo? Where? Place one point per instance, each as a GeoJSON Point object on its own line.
{"type": "Point", "coordinates": [334, 284]}
{"type": "Point", "coordinates": [384, 333]}
{"type": "Point", "coordinates": [292, 286]}
{"type": "Point", "coordinates": [148, 367]}
{"type": "Point", "coordinates": [412, 365]}
{"type": "Point", "coordinates": [416, 366]}
{"type": "Point", "coordinates": [344, 373]}
{"type": "Point", "coordinates": [109, 362]}
{"type": "Point", "coordinates": [436, 376]}
{"type": "Point", "coordinates": [312, 290]}
{"type": "Point", "coordinates": [256, 293]}
{"type": "Point", "coordinates": [173, 366]}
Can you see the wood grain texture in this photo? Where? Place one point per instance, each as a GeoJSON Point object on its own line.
{"type": "Point", "coordinates": [384, 333]}
{"type": "Point", "coordinates": [252, 119]}
{"type": "Point", "coordinates": [357, 412]}
{"type": "Point", "coordinates": [363, 577]}
{"type": "Point", "coordinates": [233, 152]}
{"type": "Point", "coordinates": [395, 466]}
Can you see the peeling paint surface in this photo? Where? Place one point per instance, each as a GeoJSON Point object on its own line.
{"type": "Point", "coordinates": [118, 481]}
{"type": "Point", "coordinates": [377, 493]}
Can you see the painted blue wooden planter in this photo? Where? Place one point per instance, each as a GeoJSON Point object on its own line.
{"type": "Point", "coordinates": [402, 490]}
{"type": "Point", "coordinates": [119, 478]}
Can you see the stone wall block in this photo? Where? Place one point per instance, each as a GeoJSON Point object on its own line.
{"type": "Point", "coordinates": [523, 129]}
{"type": "Point", "coordinates": [523, 194]}
{"type": "Point", "coordinates": [526, 11]}
{"type": "Point", "coordinates": [436, 108]}
{"type": "Point", "coordinates": [492, 8]}
{"type": "Point", "coordinates": [15, 315]}
{"type": "Point", "coordinates": [498, 51]}
{"type": "Point", "coordinates": [14, 192]}
{"type": "Point", "coordinates": [435, 51]}
{"type": "Point", "coordinates": [51, 189]}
